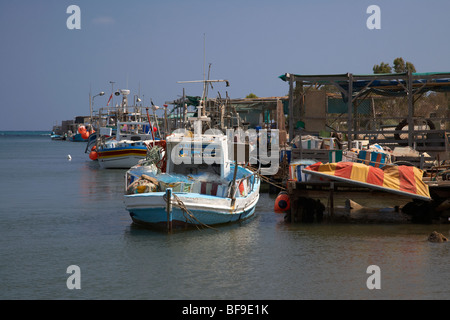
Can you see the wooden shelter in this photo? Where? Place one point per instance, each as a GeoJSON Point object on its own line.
{"type": "Point", "coordinates": [355, 88]}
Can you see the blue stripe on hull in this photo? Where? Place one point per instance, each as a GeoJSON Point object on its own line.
{"type": "Point", "coordinates": [157, 217]}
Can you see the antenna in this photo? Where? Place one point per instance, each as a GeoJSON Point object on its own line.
{"type": "Point", "coordinates": [204, 67]}
{"type": "Point", "coordinates": [204, 56]}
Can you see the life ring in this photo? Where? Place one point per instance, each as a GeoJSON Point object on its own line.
{"type": "Point", "coordinates": [404, 123]}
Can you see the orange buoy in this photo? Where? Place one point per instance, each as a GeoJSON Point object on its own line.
{"type": "Point", "coordinates": [81, 129]}
{"type": "Point", "coordinates": [282, 202]}
{"type": "Point", "coordinates": [85, 135]}
{"type": "Point", "coordinates": [94, 148]}
{"type": "Point", "coordinates": [93, 155]}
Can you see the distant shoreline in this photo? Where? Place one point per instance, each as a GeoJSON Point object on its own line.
{"type": "Point", "coordinates": [25, 133]}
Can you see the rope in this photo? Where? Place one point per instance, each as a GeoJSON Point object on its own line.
{"type": "Point", "coordinates": [264, 178]}
{"type": "Point", "coordinates": [271, 182]}
{"type": "Point", "coordinates": [189, 216]}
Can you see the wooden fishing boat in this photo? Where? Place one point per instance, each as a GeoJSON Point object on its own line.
{"type": "Point", "coordinates": [128, 147]}
{"type": "Point", "coordinates": [127, 142]}
{"type": "Point", "coordinates": [201, 185]}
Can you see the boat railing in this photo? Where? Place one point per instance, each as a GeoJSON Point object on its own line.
{"type": "Point", "coordinates": [242, 186]}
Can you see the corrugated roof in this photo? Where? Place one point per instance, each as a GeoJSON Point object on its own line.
{"type": "Point", "coordinates": [392, 84]}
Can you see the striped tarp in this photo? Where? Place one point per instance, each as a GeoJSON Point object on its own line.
{"type": "Point", "coordinates": [372, 158]}
{"type": "Point", "coordinates": [404, 180]}
{"type": "Point", "coordinates": [296, 173]}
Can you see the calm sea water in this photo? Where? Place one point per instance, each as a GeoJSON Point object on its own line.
{"type": "Point", "coordinates": [55, 213]}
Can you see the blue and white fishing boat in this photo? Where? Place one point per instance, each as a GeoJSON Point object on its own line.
{"type": "Point", "coordinates": [55, 136]}
{"type": "Point", "coordinates": [201, 185]}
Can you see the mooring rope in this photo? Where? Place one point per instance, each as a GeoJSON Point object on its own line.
{"type": "Point", "coordinates": [189, 216]}
{"type": "Point", "coordinates": [268, 180]}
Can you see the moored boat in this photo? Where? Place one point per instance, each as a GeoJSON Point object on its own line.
{"type": "Point", "coordinates": [201, 186]}
{"type": "Point", "coordinates": [55, 136]}
{"type": "Point", "coordinates": [78, 137]}
{"type": "Point", "coordinates": [128, 147]}
{"type": "Point", "coordinates": [82, 134]}
{"type": "Point", "coordinates": [124, 136]}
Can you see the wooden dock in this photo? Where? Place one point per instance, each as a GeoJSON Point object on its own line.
{"type": "Point", "coordinates": [328, 201]}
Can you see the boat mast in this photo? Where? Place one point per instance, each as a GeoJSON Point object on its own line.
{"type": "Point", "coordinates": [204, 69]}
{"type": "Point", "coordinates": [201, 114]}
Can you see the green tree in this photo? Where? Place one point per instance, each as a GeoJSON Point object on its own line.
{"type": "Point", "coordinates": [251, 96]}
{"type": "Point", "coordinates": [382, 68]}
{"type": "Point", "coordinates": [400, 66]}
{"type": "Point", "coordinates": [410, 66]}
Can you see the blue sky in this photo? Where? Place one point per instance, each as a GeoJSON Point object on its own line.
{"type": "Point", "coordinates": [47, 70]}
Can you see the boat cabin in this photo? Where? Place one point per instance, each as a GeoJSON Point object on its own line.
{"type": "Point", "coordinates": [134, 131]}
{"type": "Point", "coordinates": [189, 154]}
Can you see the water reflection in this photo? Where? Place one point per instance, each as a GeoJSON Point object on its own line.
{"type": "Point", "coordinates": [336, 254]}
{"type": "Point", "coordinates": [100, 184]}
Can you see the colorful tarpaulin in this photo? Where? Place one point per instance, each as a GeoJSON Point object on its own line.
{"type": "Point", "coordinates": [372, 158]}
{"type": "Point", "coordinates": [403, 180]}
{"type": "Point", "coordinates": [296, 172]}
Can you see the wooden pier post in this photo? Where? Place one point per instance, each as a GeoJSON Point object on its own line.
{"type": "Point", "coordinates": [169, 209]}
{"type": "Point", "coordinates": [233, 185]}
{"type": "Point", "coordinates": [331, 199]}
{"type": "Point", "coordinates": [293, 200]}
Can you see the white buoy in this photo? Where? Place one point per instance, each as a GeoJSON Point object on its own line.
{"type": "Point", "coordinates": [69, 157]}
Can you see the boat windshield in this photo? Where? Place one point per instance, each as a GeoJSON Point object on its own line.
{"type": "Point", "coordinates": [129, 128]}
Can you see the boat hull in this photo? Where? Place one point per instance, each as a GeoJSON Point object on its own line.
{"type": "Point", "coordinates": [77, 138]}
{"type": "Point", "coordinates": [121, 158]}
{"type": "Point", "coordinates": [150, 210]}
